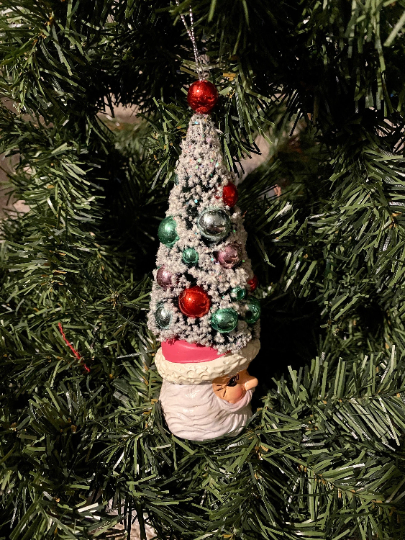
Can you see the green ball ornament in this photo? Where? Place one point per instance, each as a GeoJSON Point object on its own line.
{"type": "Point", "coordinates": [238, 293]}
{"type": "Point", "coordinates": [224, 320]}
{"type": "Point", "coordinates": [214, 224]}
{"type": "Point", "coordinates": [253, 310]}
{"type": "Point", "coordinates": [190, 257]}
{"type": "Point", "coordinates": [163, 316]}
{"type": "Point", "coordinates": [167, 232]}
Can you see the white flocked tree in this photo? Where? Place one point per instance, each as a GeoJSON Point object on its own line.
{"type": "Point", "coordinates": [204, 280]}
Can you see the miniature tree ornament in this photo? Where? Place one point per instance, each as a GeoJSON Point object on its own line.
{"type": "Point", "coordinates": [201, 306]}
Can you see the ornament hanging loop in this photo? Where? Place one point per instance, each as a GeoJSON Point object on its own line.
{"type": "Point", "coordinates": [191, 35]}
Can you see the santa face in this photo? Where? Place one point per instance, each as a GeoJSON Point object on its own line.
{"type": "Point", "coordinates": [233, 389]}
{"type": "Point", "coordinates": [198, 412]}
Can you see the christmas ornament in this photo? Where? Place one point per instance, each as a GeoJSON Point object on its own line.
{"type": "Point", "coordinates": [230, 255]}
{"type": "Point", "coordinates": [214, 224]}
{"type": "Point", "coordinates": [194, 302]}
{"type": "Point", "coordinates": [238, 293]}
{"type": "Point", "coordinates": [190, 256]}
{"type": "Point", "coordinates": [167, 232]}
{"type": "Point", "coordinates": [165, 278]}
{"type": "Point", "coordinates": [204, 351]}
{"type": "Point", "coordinates": [163, 315]}
{"type": "Point", "coordinates": [253, 283]}
{"type": "Point", "coordinates": [202, 97]}
{"type": "Point", "coordinates": [224, 320]}
{"type": "Point", "coordinates": [230, 195]}
{"type": "Point", "coordinates": [253, 310]}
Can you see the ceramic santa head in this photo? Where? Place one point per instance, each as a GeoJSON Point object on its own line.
{"type": "Point", "coordinates": [205, 395]}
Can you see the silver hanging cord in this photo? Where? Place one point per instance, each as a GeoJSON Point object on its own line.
{"type": "Point", "coordinates": [191, 35]}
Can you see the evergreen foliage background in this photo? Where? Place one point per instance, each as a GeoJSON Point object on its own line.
{"type": "Point", "coordinates": [323, 457]}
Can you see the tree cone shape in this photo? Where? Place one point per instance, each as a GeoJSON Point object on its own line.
{"type": "Point", "coordinates": [207, 225]}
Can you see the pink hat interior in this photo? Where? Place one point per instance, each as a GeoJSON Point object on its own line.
{"type": "Point", "coordinates": [181, 352]}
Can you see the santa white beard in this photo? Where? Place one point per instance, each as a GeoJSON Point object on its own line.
{"type": "Point", "coordinates": [193, 411]}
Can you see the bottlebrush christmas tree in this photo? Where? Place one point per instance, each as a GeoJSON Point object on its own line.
{"type": "Point", "coordinates": [201, 292]}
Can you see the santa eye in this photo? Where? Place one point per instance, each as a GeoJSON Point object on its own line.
{"type": "Point", "coordinates": [232, 381]}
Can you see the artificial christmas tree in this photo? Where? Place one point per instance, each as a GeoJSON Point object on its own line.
{"type": "Point", "coordinates": [322, 456]}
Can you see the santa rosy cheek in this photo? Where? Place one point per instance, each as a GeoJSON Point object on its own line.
{"type": "Point", "coordinates": [235, 393]}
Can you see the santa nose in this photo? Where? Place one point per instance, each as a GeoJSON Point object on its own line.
{"type": "Point", "coordinates": [251, 383]}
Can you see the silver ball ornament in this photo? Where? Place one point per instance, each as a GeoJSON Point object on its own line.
{"type": "Point", "coordinates": [214, 224]}
{"type": "Point", "coordinates": [163, 316]}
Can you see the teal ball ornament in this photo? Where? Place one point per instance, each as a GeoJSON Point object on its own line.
{"type": "Point", "coordinates": [167, 232]}
{"type": "Point", "coordinates": [190, 257]}
{"type": "Point", "coordinates": [252, 310]}
{"type": "Point", "coordinates": [238, 293]}
{"type": "Point", "coordinates": [224, 320]}
{"type": "Point", "coordinates": [163, 315]}
{"type": "Point", "coordinates": [214, 224]}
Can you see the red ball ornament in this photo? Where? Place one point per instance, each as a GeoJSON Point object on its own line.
{"type": "Point", "coordinates": [253, 283]}
{"type": "Point", "coordinates": [194, 302]}
{"type": "Point", "coordinates": [202, 97]}
{"type": "Point", "coordinates": [230, 195]}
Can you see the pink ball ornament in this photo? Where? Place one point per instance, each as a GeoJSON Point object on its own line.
{"type": "Point", "coordinates": [165, 278]}
{"type": "Point", "coordinates": [230, 255]}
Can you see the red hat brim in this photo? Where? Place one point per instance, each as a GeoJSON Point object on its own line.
{"type": "Point", "coordinates": [181, 352]}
